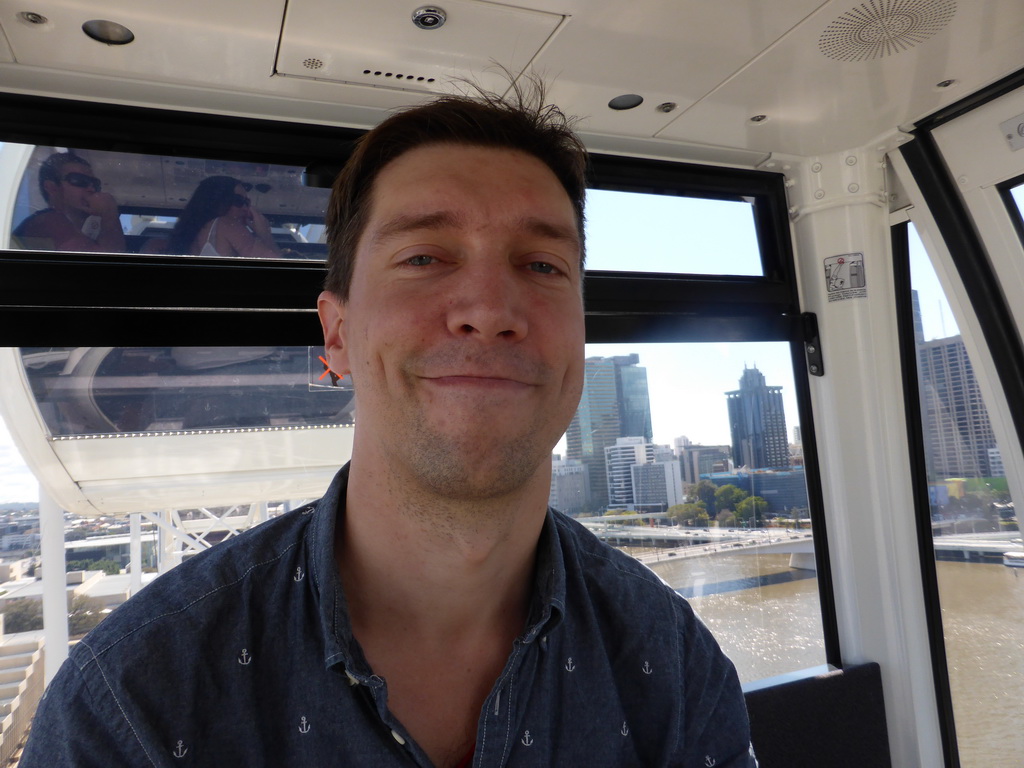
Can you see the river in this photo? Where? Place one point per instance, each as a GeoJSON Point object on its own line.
{"type": "Point", "coordinates": [767, 618]}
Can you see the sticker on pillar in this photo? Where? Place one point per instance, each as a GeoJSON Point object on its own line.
{"type": "Point", "coordinates": [844, 277]}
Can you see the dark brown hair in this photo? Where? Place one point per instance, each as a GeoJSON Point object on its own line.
{"type": "Point", "coordinates": [520, 121]}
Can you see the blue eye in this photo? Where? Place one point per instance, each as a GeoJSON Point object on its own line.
{"type": "Point", "coordinates": [543, 268]}
{"type": "Point", "coordinates": [420, 260]}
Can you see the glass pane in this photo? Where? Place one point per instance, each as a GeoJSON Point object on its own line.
{"type": "Point", "coordinates": [977, 542]}
{"type": "Point", "coordinates": [627, 231]}
{"type": "Point", "coordinates": [59, 198]}
{"type": "Point", "coordinates": [1018, 197]}
{"type": "Point", "coordinates": [107, 390]}
{"type": "Point", "coordinates": [701, 478]}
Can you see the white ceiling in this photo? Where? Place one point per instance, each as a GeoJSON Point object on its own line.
{"type": "Point", "coordinates": [719, 63]}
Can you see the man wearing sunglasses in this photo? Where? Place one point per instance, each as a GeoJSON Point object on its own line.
{"type": "Point", "coordinates": [80, 216]}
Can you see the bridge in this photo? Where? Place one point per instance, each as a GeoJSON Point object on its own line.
{"type": "Point", "coordinates": [677, 542]}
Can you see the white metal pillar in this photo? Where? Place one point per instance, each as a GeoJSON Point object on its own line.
{"type": "Point", "coordinates": [841, 223]}
{"type": "Point", "coordinates": [55, 588]}
{"type": "Point", "coordinates": [135, 552]}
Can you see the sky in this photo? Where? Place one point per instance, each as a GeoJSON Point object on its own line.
{"type": "Point", "coordinates": [687, 382]}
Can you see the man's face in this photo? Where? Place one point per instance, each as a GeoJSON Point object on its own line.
{"type": "Point", "coordinates": [463, 332]}
{"type": "Point", "coordinates": [74, 188]}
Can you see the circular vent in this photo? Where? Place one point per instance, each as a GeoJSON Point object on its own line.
{"type": "Point", "coordinates": [312, 63]}
{"type": "Point", "coordinates": [880, 28]}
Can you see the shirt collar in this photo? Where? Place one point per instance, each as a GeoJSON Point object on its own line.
{"type": "Point", "coordinates": [546, 608]}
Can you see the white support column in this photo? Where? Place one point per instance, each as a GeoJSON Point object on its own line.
{"type": "Point", "coordinates": [135, 552]}
{"type": "Point", "coordinates": [55, 592]}
{"type": "Point", "coordinates": [841, 218]}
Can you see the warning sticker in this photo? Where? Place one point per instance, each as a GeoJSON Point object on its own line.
{"type": "Point", "coordinates": [844, 277]}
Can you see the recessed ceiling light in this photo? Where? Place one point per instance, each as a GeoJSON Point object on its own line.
{"type": "Point", "coordinates": [626, 101]}
{"type": "Point", "coordinates": [758, 118]}
{"type": "Point", "coordinates": [109, 32]}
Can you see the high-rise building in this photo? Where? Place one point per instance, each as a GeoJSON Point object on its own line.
{"type": "Point", "coordinates": [957, 431]}
{"type": "Point", "coordinates": [958, 437]}
{"type": "Point", "coordinates": [615, 403]}
{"type": "Point", "coordinates": [758, 423]}
{"type": "Point", "coordinates": [697, 460]}
{"type": "Point", "coordinates": [657, 484]}
{"type": "Point", "coordinates": [619, 459]}
{"type": "Point", "coordinates": [570, 486]}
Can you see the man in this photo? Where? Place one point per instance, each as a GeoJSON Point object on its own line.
{"type": "Point", "coordinates": [80, 216]}
{"type": "Point", "coordinates": [429, 610]}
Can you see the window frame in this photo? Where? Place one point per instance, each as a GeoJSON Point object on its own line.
{"type": "Point", "coordinates": [58, 299]}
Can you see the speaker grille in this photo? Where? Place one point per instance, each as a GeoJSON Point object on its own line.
{"type": "Point", "coordinates": [880, 28]}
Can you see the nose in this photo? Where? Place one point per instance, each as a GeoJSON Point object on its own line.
{"type": "Point", "coordinates": [485, 301]}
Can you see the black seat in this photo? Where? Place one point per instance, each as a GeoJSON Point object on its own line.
{"type": "Point", "coordinates": [834, 720]}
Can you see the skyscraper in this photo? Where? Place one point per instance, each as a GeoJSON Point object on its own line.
{"type": "Point", "coordinates": [958, 437]}
{"type": "Point", "coordinates": [758, 423]}
{"type": "Point", "coordinates": [957, 431]}
{"type": "Point", "coordinates": [615, 403]}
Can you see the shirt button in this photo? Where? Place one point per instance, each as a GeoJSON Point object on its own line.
{"type": "Point", "coordinates": [351, 678]}
{"type": "Point", "coordinates": [398, 737]}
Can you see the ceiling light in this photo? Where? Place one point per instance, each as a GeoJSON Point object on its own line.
{"type": "Point", "coordinates": [109, 32]}
{"type": "Point", "coordinates": [626, 101]}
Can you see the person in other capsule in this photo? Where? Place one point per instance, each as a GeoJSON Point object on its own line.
{"type": "Point", "coordinates": [219, 220]}
{"type": "Point", "coordinates": [80, 216]}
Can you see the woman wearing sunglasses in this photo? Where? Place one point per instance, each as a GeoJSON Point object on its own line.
{"type": "Point", "coordinates": [219, 220]}
{"type": "Point", "coordinates": [80, 216]}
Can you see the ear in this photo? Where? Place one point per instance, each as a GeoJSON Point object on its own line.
{"type": "Point", "coordinates": [332, 319]}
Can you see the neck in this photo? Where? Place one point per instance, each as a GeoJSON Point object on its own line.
{"type": "Point", "coordinates": [436, 565]}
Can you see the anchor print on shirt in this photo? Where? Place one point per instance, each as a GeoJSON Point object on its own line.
{"type": "Point", "coordinates": [709, 761]}
{"type": "Point", "coordinates": [527, 739]}
{"type": "Point", "coordinates": [570, 665]}
{"type": "Point", "coordinates": [647, 668]}
{"type": "Point", "coordinates": [303, 725]}
{"type": "Point", "coordinates": [245, 658]}
{"type": "Point", "coordinates": [624, 730]}
{"type": "Point", "coordinates": [299, 575]}
{"type": "Point", "coordinates": [180, 749]}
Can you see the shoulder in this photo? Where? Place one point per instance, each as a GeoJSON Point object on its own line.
{"type": "Point", "coordinates": [39, 221]}
{"type": "Point", "coordinates": [625, 598]}
{"type": "Point", "coordinates": [603, 567]}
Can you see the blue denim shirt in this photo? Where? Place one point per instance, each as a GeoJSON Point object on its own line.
{"type": "Point", "coordinates": [244, 655]}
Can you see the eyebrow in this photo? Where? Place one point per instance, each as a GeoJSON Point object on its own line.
{"type": "Point", "coordinates": [436, 220]}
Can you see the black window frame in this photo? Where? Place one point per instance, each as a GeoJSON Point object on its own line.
{"type": "Point", "coordinates": [57, 299]}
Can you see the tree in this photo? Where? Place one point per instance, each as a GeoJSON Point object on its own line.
{"type": "Point", "coordinates": [24, 615]}
{"type": "Point", "coordinates": [728, 496]}
{"type": "Point", "coordinates": [83, 614]}
{"type": "Point", "coordinates": [704, 492]}
{"type": "Point", "coordinates": [686, 513]}
{"type": "Point", "coordinates": [726, 518]}
{"type": "Point", "coordinates": [752, 510]}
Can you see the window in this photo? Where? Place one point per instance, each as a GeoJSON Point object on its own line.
{"type": "Point", "coordinates": [50, 204]}
{"type": "Point", "coordinates": [665, 470]}
{"type": "Point", "coordinates": [975, 534]}
{"type": "Point", "coordinates": [206, 369]}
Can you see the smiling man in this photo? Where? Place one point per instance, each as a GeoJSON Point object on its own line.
{"type": "Point", "coordinates": [429, 610]}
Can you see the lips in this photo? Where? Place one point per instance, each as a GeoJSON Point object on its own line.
{"type": "Point", "coordinates": [477, 381]}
